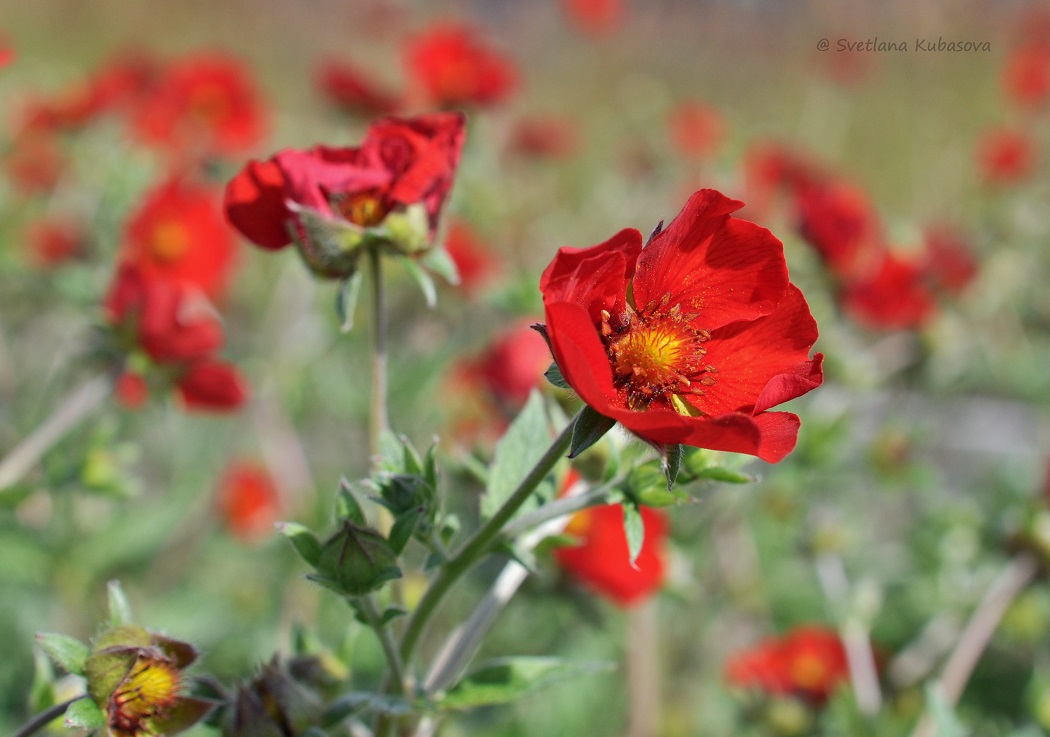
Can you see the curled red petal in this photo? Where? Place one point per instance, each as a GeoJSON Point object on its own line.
{"type": "Point", "coordinates": [255, 204]}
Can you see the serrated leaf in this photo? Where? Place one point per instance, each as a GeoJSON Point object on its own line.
{"type": "Point", "coordinates": [346, 300]}
{"type": "Point", "coordinates": [119, 608]}
{"type": "Point", "coordinates": [553, 375]}
{"type": "Point", "coordinates": [725, 475]}
{"type": "Point", "coordinates": [508, 679]}
{"type": "Point", "coordinates": [424, 280]}
{"type": "Point", "coordinates": [85, 714]}
{"type": "Point", "coordinates": [303, 540]}
{"type": "Point", "coordinates": [634, 529]}
{"type": "Point", "coordinates": [520, 448]}
{"type": "Point", "coordinates": [67, 652]}
{"type": "Point", "coordinates": [590, 427]}
{"type": "Point", "coordinates": [672, 463]}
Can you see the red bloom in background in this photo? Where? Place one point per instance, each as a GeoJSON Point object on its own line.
{"type": "Point", "coordinates": [473, 258]}
{"type": "Point", "coordinates": [7, 54]}
{"type": "Point", "coordinates": [401, 162]}
{"type": "Point", "coordinates": [1006, 156]}
{"type": "Point", "coordinates": [34, 162]}
{"type": "Point", "coordinates": [840, 223]}
{"type": "Point", "coordinates": [1026, 76]}
{"type": "Point", "coordinates": [595, 16]}
{"type": "Point", "coordinates": [205, 104]}
{"type": "Point", "coordinates": [178, 231]}
{"type": "Point", "coordinates": [353, 92]}
{"type": "Point", "coordinates": [131, 390]}
{"type": "Point", "coordinates": [695, 129]}
{"type": "Point", "coordinates": [453, 67]}
{"type": "Point", "coordinates": [809, 662]}
{"type": "Point", "coordinates": [55, 242]}
{"type": "Point", "coordinates": [544, 137]}
{"type": "Point", "coordinates": [602, 559]}
{"type": "Point", "coordinates": [770, 168]}
{"type": "Point", "coordinates": [248, 501]}
{"type": "Point", "coordinates": [894, 297]}
{"type": "Point", "coordinates": [513, 365]}
{"type": "Point", "coordinates": [211, 386]}
{"type": "Point", "coordinates": [690, 340]}
{"type": "Point", "coordinates": [948, 260]}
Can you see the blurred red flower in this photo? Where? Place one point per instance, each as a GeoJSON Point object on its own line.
{"type": "Point", "coordinates": [595, 16]}
{"type": "Point", "coordinates": [401, 162]}
{"type": "Point", "coordinates": [602, 561]}
{"type": "Point", "coordinates": [55, 242]}
{"type": "Point", "coordinates": [1026, 75]}
{"type": "Point", "coordinates": [178, 231]}
{"type": "Point", "coordinates": [248, 501]}
{"type": "Point", "coordinates": [453, 67]}
{"type": "Point", "coordinates": [947, 261]}
{"type": "Point", "coordinates": [473, 259]}
{"type": "Point", "coordinates": [895, 296]}
{"type": "Point", "coordinates": [1005, 156]}
{"type": "Point", "coordinates": [690, 340]}
{"type": "Point", "coordinates": [211, 386]}
{"type": "Point", "coordinates": [839, 222]}
{"type": "Point", "coordinates": [131, 390]}
{"type": "Point", "coordinates": [695, 129]}
{"type": "Point", "coordinates": [512, 365]}
{"type": "Point", "coordinates": [809, 662]}
{"type": "Point", "coordinates": [205, 104]}
{"type": "Point", "coordinates": [7, 54]}
{"type": "Point", "coordinates": [544, 137]}
{"type": "Point", "coordinates": [353, 92]}
{"type": "Point", "coordinates": [34, 163]}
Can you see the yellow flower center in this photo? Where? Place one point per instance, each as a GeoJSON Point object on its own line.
{"type": "Point", "coordinates": [169, 241]}
{"type": "Point", "coordinates": [657, 353]}
{"type": "Point", "coordinates": [209, 103]}
{"type": "Point", "coordinates": [151, 686]}
{"type": "Point", "coordinates": [808, 671]}
{"type": "Point", "coordinates": [362, 208]}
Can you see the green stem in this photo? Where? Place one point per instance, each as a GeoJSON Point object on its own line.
{"type": "Point", "coordinates": [367, 607]}
{"type": "Point", "coordinates": [479, 543]}
{"type": "Point", "coordinates": [44, 718]}
{"type": "Point", "coordinates": [378, 420]}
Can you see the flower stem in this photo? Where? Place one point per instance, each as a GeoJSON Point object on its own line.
{"type": "Point", "coordinates": [80, 403]}
{"type": "Point", "coordinates": [44, 718]}
{"type": "Point", "coordinates": [643, 671]}
{"type": "Point", "coordinates": [367, 607]}
{"type": "Point", "coordinates": [479, 543]}
{"type": "Point", "coordinates": [378, 419]}
{"type": "Point", "coordinates": [985, 619]}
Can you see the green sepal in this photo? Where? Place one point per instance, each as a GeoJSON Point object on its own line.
{"type": "Point", "coordinates": [119, 608]}
{"type": "Point", "coordinates": [424, 280]}
{"type": "Point", "coordinates": [85, 714]}
{"type": "Point", "coordinates": [346, 300]}
{"type": "Point", "coordinates": [672, 463]}
{"type": "Point", "coordinates": [346, 504]}
{"type": "Point", "coordinates": [186, 712]}
{"type": "Point", "coordinates": [355, 561]}
{"type": "Point", "coordinates": [590, 427]}
{"type": "Point", "coordinates": [725, 475]}
{"type": "Point", "coordinates": [303, 540]}
{"type": "Point", "coordinates": [634, 529]}
{"type": "Point", "coordinates": [554, 376]}
{"type": "Point", "coordinates": [67, 652]}
{"type": "Point", "coordinates": [438, 261]}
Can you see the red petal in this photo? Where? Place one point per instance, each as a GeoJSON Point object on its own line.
{"type": "Point", "coordinates": [594, 278]}
{"type": "Point", "coordinates": [255, 204]}
{"type": "Point", "coordinates": [209, 385]}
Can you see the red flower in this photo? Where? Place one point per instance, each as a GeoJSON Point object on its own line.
{"type": "Point", "coordinates": [893, 297]}
{"type": "Point", "coordinates": [7, 54]}
{"type": "Point", "coordinates": [948, 261]}
{"type": "Point", "coordinates": [839, 222]}
{"type": "Point", "coordinates": [204, 104]}
{"type": "Point", "coordinates": [513, 365]}
{"type": "Point", "coordinates": [595, 16]}
{"type": "Point", "coordinates": [544, 138]}
{"type": "Point", "coordinates": [34, 162]}
{"type": "Point", "coordinates": [1006, 156]}
{"type": "Point", "coordinates": [400, 163]}
{"type": "Point", "coordinates": [453, 67]}
{"type": "Point", "coordinates": [353, 92]}
{"type": "Point", "coordinates": [53, 243]}
{"type": "Point", "coordinates": [690, 340]}
{"type": "Point", "coordinates": [602, 559]}
{"type": "Point", "coordinates": [1026, 76]}
{"type": "Point", "coordinates": [179, 231]}
{"type": "Point", "coordinates": [695, 129]}
{"type": "Point", "coordinates": [248, 501]}
{"type": "Point", "coordinates": [473, 258]}
{"type": "Point", "coordinates": [212, 386]}
{"type": "Point", "coordinates": [131, 390]}
{"type": "Point", "coordinates": [809, 662]}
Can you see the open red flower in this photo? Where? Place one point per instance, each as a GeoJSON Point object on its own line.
{"type": "Point", "coordinates": [248, 501]}
{"type": "Point", "coordinates": [453, 67]}
{"type": "Point", "coordinates": [353, 92]}
{"type": "Point", "coordinates": [839, 222]}
{"type": "Point", "coordinates": [690, 340]}
{"type": "Point", "coordinates": [179, 231]}
{"type": "Point", "coordinates": [402, 162]}
{"type": "Point", "coordinates": [602, 560]}
{"type": "Point", "coordinates": [201, 104]}
{"type": "Point", "coordinates": [809, 662]}
{"type": "Point", "coordinates": [894, 296]}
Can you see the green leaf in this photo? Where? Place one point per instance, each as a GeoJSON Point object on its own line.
{"type": "Point", "coordinates": [346, 300]}
{"type": "Point", "coordinates": [553, 375]}
{"type": "Point", "coordinates": [590, 427]}
{"type": "Point", "coordinates": [672, 462]}
{"type": "Point", "coordinates": [85, 714]}
{"type": "Point", "coordinates": [355, 561]}
{"type": "Point", "coordinates": [119, 608]}
{"type": "Point", "coordinates": [725, 475]}
{"type": "Point", "coordinates": [438, 261]}
{"type": "Point", "coordinates": [520, 448]}
{"type": "Point", "coordinates": [506, 680]}
{"type": "Point", "coordinates": [68, 652]}
{"type": "Point", "coordinates": [304, 541]}
{"type": "Point", "coordinates": [634, 528]}
{"type": "Point", "coordinates": [402, 529]}
{"type": "Point", "coordinates": [424, 280]}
